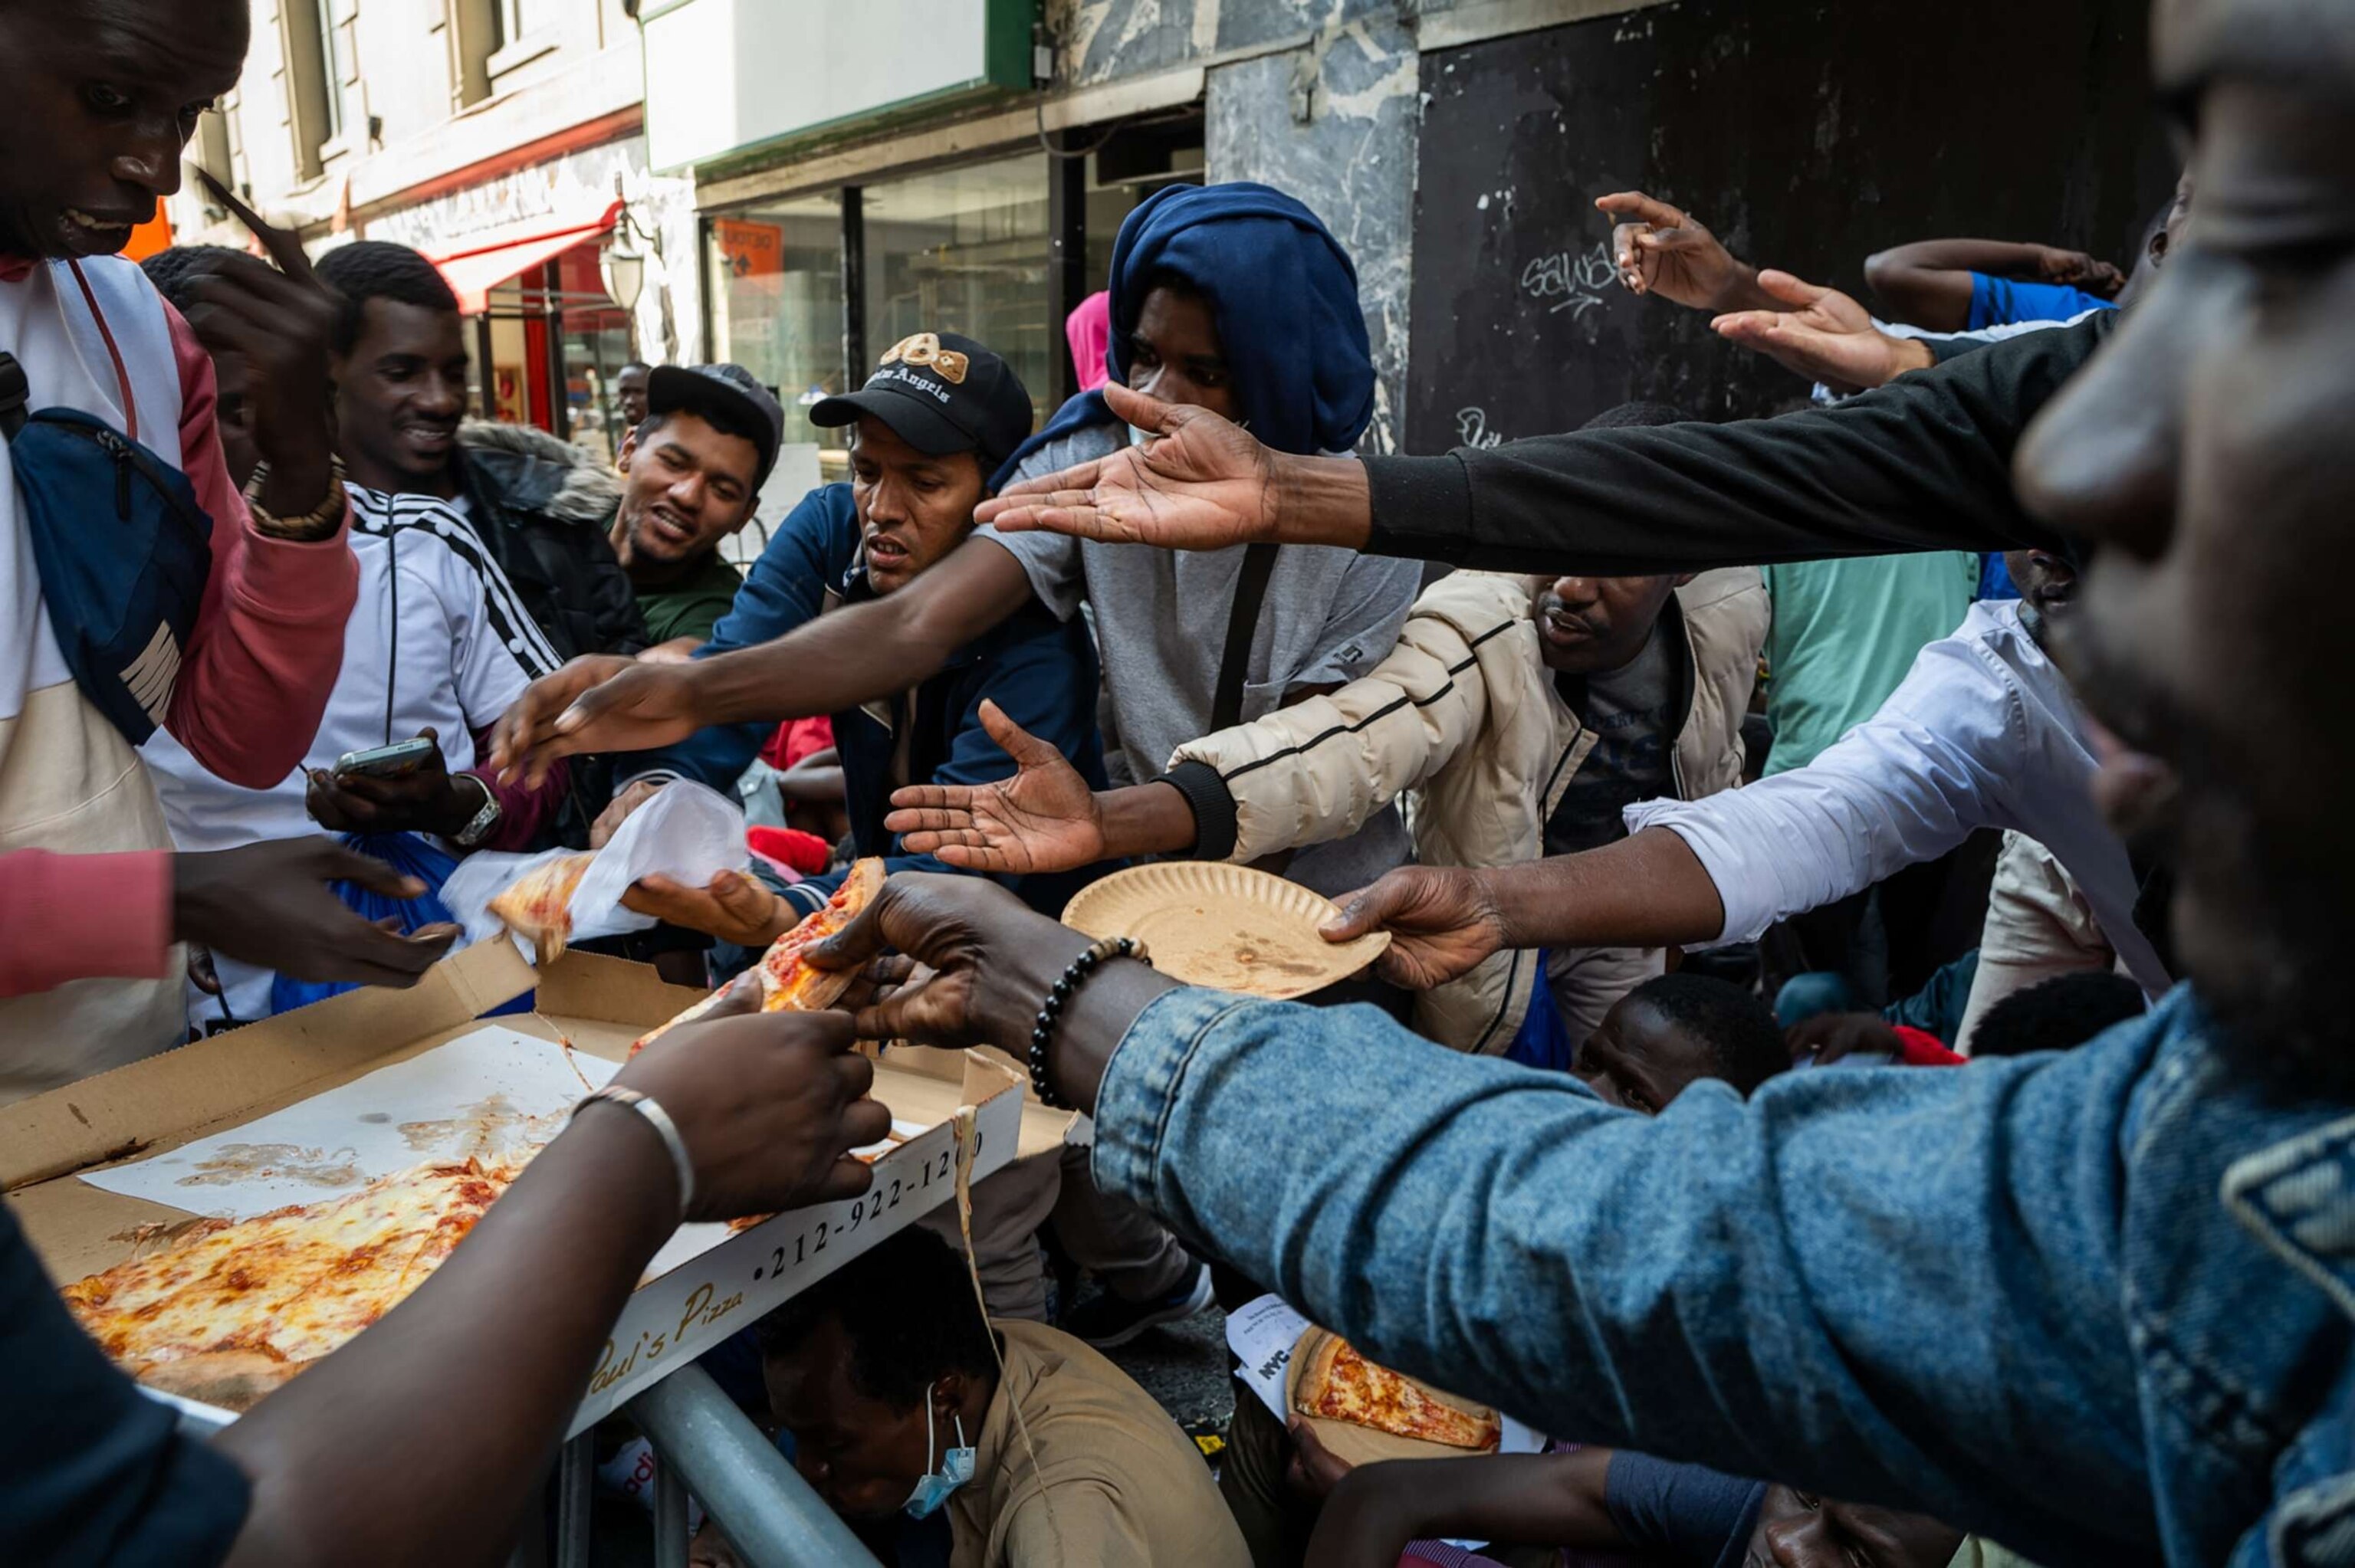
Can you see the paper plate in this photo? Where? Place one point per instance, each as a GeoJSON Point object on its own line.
{"type": "Point", "coordinates": [1228, 926]}
{"type": "Point", "coordinates": [1362, 1444]}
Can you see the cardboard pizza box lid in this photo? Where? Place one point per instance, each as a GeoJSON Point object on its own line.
{"type": "Point", "coordinates": [599, 1005]}
{"type": "Point", "coordinates": [1362, 1444]}
{"type": "Point", "coordinates": [1229, 927]}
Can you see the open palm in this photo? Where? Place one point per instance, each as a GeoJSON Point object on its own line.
{"type": "Point", "coordinates": [1200, 484]}
{"type": "Point", "coordinates": [1041, 818]}
{"type": "Point", "coordinates": [1821, 333]}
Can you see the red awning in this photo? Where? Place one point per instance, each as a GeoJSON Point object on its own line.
{"type": "Point", "coordinates": [492, 257]}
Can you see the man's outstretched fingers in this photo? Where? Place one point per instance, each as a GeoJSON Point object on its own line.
{"type": "Point", "coordinates": [1790, 288]}
{"type": "Point", "coordinates": [1027, 749]}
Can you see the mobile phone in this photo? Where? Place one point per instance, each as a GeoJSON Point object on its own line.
{"type": "Point", "coordinates": [398, 760]}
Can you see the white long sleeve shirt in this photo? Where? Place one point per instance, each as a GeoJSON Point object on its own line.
{"type": "Point", "coordinates": [1984, 733]}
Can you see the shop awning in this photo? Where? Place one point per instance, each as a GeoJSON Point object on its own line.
{"type": "Point", "coordinates": [493, 256]}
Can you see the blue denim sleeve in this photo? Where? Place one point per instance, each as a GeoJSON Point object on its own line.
{"type": "Point", "coordinates": [786, 589]}
{"type": "Point", "coordinates": [1896, 1286]}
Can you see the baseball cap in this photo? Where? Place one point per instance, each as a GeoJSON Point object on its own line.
{"type": "Point", "coordinates": [728, 388]}
{"type": "Point", "coordinates": [940, 393]}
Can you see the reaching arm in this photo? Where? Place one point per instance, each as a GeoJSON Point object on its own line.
{"type": "Point", "coordinates": [1923, 463]}
{"type": "Point", "coordinates": [772, 657]}
{"type": "Point", "coordinates": [1690, 1285]}
{"type": "Point", "coordinates": [1532, 1500]}
{"type": "Point", "coordinates": [1929, 282]}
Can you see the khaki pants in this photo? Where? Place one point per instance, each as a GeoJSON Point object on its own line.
{"type": "Point", "coordinates": [1115, 1239]}
{"type": "Point", "coordinates": [1589, 982]}
{"type": "Point", "coordinates": [1008, 1207]}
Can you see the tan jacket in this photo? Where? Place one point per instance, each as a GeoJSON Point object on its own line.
{"type": "Point", "coordinates": [1103, 1476]}
{"type": "Point", "coordinates": [1465, 714]}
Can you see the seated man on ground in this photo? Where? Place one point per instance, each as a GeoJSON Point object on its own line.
{"type": "Point", "coordinates": [1672, 1032]}
{"type": "Point", "coordinates": [437, 645]}
{"type": "Point", "coordinates": [901, 1399]}
{"type": "Point", "coordinates": [1525, 713]}
{"type": "Point", "coordinates": [692, 469]}
{"type": "Point", "coordinates": [2058, 1014]}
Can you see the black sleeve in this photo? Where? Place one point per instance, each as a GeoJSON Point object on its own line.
{"type": "Point", "coordinates": [1213, 805]}
{"type": "Point", "coordinates": [1924, 463]}
{"type": "Point", "coordinates": [91, 1469]}
{"type": "Point", "coordinates": [621, 625]}
{"type": "Point", "coordinates": [1686, 1515]}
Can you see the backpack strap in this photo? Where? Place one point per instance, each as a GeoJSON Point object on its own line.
{"type": "Point", "coordinates": [1242, 620]}
{"type": "Point", "coordinates": [15, 393]}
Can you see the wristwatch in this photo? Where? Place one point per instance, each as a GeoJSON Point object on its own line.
{"type": "Point", "coordinates": [478, 827]}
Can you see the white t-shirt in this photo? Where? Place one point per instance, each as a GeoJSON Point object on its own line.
{"type": "Point", "coordinates": [437, 638]}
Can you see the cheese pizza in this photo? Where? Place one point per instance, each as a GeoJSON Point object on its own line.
{"type": "Point", "coordinates": [1338, 1384]}
{"type": "Point", "coordinates": [539, 904]}
{"type": "Point", "coordinates": [225, 1311]}
{"type": "Point", "coordinates": [787, 984]}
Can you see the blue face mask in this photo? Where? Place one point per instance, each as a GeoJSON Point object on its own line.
{"type": "Point", "coordinates": [956, 1469]}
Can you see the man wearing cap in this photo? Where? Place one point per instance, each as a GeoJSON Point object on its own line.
{"type": "Point", "coordinates": [692, 469]}
{"type": "Point", "coordinates": [935, 419]}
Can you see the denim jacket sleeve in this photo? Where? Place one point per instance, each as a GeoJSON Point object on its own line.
{"type": "Point", "coordinates": [1897, 1286]}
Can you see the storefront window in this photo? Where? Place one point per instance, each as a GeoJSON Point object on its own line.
{"type": "Point", "coordinates": [596, 344]}
{"type": "Point", "coordinates": [965, 250]}
{"type": "Point", "coordinates": [776, 301]}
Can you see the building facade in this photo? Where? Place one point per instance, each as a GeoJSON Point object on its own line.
{"type": "Point", "coordinates": [797, 183]}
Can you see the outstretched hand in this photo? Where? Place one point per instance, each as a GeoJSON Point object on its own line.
{"type": "Point", "coordinates": [1203, 483]}
{"type": "Point", "coordinates": [769, 1104]}
{"type": "Point", "coordinates": [1441, 919]}
{"type": "Point", "coordinates": [1664, 251]}
{"type": "Point", "coordinates": [1042, 818]}
{"type": "Point", "coordinates": [1822, 334]}
{"type": "Point", "coordinates": [599, 702]}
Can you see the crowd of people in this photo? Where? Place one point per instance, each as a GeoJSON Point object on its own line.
{"type": "Point", "coordinates": [1851, 1067]}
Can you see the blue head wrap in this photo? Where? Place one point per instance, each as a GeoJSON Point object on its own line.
{"type": "Point", "coordinates": [1284, 296]}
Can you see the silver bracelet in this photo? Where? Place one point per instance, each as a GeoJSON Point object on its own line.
{"type": "Point", "coordinates": [660, 1120]}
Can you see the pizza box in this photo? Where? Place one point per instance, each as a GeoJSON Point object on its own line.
{"type": "Point", "coordinates": [693, 1296]}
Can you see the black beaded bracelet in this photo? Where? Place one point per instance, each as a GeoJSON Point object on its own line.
{"type": "Point", "coordinates": [1060, 992]}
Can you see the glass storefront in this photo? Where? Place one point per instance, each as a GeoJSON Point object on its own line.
{"type": "Point", "coordinates": [777, 299]}
{"type": "Point", "coordinates": [553, 342]}
{"type": "Point", "coordinates": [967, 249]}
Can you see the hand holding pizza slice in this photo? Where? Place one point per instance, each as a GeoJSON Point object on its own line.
{"type": "Point", "coordinates": [539, 904]}
{"type": "Point", "coordinates": [787, 983]}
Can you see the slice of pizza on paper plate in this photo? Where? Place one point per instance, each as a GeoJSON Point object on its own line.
{"type": "Point", "coordinates": [1331, 1381]}
{"type": "Point", "coordinates": [787, 984]}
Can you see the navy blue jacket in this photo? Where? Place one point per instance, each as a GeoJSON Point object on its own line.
{"type": "Point", "coordinates": [1039, 669]}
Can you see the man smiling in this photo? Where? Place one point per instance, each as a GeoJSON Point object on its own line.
{"type": "Point", "coordinates": [692, 469]}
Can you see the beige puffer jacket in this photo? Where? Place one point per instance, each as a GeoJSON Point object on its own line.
{"type": "Point", "coordinates": [1464, 713]}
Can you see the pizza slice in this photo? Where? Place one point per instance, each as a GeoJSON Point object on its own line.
{"type": "Point", "coordinates": [1339, 1384]}
{"type": "Point", "coordinates": [539, 904]}
{"type": "Point", "coordinates": [787, 984]}
{"type": "Point", "coordinates": [225, 1311]}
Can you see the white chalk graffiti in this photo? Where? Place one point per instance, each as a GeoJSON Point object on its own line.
{"type": "Point", "coordinates": [1568, 280]}
{"type": "Point", "coordinates": [1472, 430]}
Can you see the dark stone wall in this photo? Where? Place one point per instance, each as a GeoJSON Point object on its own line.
{"type": "Point", "coordinates": [1808, 135]}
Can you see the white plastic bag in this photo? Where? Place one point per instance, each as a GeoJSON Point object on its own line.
{"type": "Point", "coordinates": [687, 832]}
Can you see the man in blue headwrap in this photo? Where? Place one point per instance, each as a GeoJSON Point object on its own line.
{"type": "Point", "coordinates": [1233, 298]}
